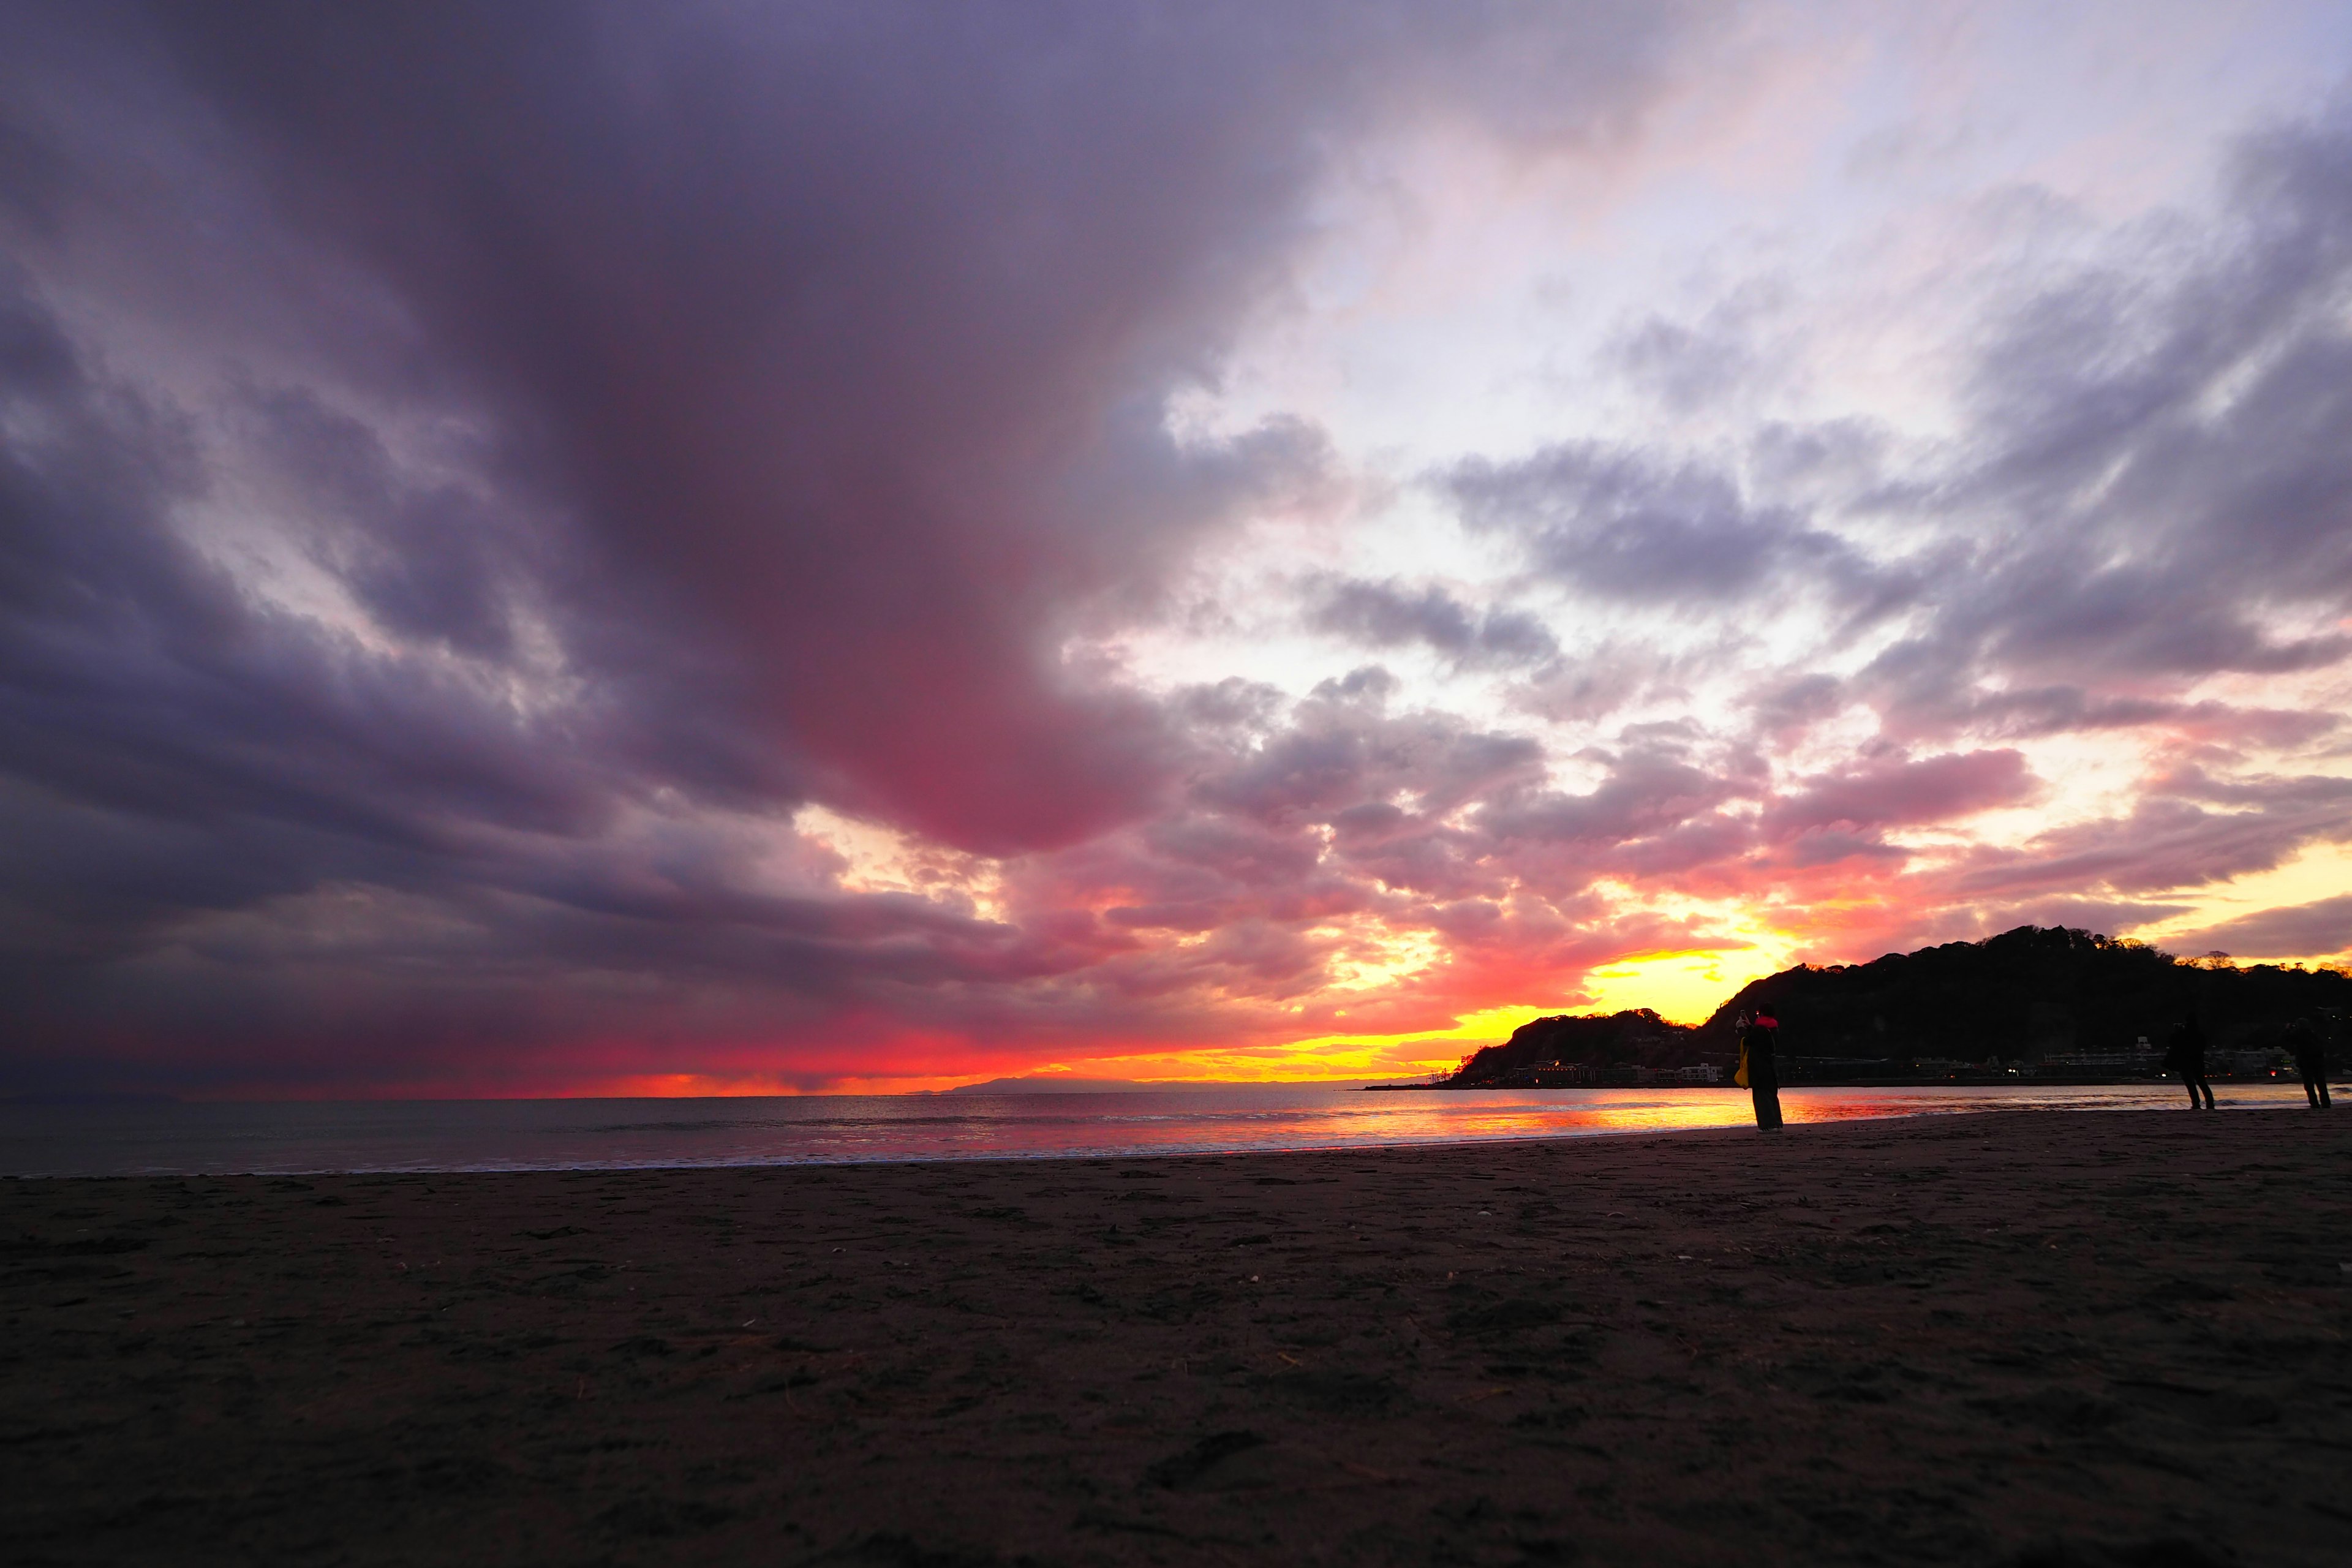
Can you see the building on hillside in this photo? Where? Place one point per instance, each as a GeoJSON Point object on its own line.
{"type": "Point", "coordinates": [2142, 1060]}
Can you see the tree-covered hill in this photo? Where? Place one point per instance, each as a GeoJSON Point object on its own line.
{"type": "Point", "coordinates": [2023, 993]}
{"type": "Point", "coordinates": [2027, 993]}
{"type": "Point", "coordinates": [1597, 1040]}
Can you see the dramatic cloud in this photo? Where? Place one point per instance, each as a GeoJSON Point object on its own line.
{"type": "Point", "coordinates": [567, 545]}
{"type": "Point", "coordinates": [2325, 927]}
{"type": "Point", "coordinates": [1621, 525]}
{"type": "Point", "coordinates": [1384, 614]}
{"type": "Point", "coordinates": [1888, 793]}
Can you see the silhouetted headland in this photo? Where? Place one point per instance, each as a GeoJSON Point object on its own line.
{"type": "Point", "coordinates": [2052, 1004]}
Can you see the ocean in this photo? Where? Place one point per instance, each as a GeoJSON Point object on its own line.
{"type": "Point", "coordinates": [119, 1138]}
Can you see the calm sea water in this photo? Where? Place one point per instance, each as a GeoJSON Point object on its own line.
{"type": "Point", "coordinates": [557, 1134]}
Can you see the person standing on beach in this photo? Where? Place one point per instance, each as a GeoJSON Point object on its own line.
{"type": "Point", "coordinates": [2310, 1061]}
{"type": "Point", "coordinates": [2185, 1056]}
{"type": "Point", "coordinates": [1763, 1075]}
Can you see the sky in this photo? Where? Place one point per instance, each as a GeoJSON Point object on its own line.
{"type": "Point", "coordinates": [723, 548]}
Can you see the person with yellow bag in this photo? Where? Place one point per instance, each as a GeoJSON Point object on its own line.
{"type": "Point", "coordinates": [1757, 1073]}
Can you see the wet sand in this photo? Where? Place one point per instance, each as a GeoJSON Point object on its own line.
{"type": "Point", "coordinates": [2026, 1337]}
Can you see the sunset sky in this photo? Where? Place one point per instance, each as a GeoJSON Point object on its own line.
{"type": "Point", "coordinates": [710, 548]}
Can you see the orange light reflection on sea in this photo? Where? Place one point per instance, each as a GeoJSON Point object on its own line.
{"type": "Point", "coordinates": [570, 1134]}
{"type": "Point", "coordinates": [1471, 1114]}
{"type": "Point", "coordinates": [1241, 1119]}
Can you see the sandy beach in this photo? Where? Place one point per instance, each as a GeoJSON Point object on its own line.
{"type": "Point", "coordinates": [2030, 1339]}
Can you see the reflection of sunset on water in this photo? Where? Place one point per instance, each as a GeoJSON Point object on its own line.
{"type": "Point", "coordinates": [1221, 1120]}
{"type": "Point", "coordinates": [1210, 1120]}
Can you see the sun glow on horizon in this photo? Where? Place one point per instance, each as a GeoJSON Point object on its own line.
{"type": "Point", "coordinates": [2322, 871]}
{"type": "Point", "coordinates": [1680, 987]}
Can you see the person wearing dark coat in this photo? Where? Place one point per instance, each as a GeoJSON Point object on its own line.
{"type": "Point", "coordinates": [1763, 1076]}
{"type": "Point", "coordinates": [2310, 1061]}
{"type": "Point", "coordinates": [2185, 1056]}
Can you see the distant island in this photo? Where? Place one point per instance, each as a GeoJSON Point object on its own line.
{"type": "Point", "coordinates": [2051, 1004]}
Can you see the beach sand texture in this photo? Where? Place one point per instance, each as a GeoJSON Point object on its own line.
{"type": "Point", "coordinates": [2028, 1338]}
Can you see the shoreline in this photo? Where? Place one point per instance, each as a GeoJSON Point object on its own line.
{"type": "Point", "coordinates": [279, 1142]}
{"type": "Point", "coordinates": [1955, 1339]}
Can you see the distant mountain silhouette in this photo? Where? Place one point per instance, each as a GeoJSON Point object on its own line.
{"type": "Point", "coordinates": [2017, 996]}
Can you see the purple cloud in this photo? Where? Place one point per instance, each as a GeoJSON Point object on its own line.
{"type": "Point", "coordinates": [2322, 927]}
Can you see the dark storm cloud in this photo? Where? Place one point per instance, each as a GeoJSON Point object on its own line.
{"type": "Point", "coordinates": [454, 450]}
{"type": "Point", "coordinates": [139, 677]}
{"type": "Point", "coordinates": [833, 335]}
{"type": "Point", "coordinates": [851, 325]}
{"type": "Point", "coordinates": [425, 560]}
{"type": "Point", "coordinates": [33, 177]}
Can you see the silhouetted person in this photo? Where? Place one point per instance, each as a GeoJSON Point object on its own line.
{"type": "Point", "coordinates": [1763, 1073]}
{"type": "Point", "coordinates": [2310, 1061]}
{"type": "Point", "coordinates": [2185, 1056]}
